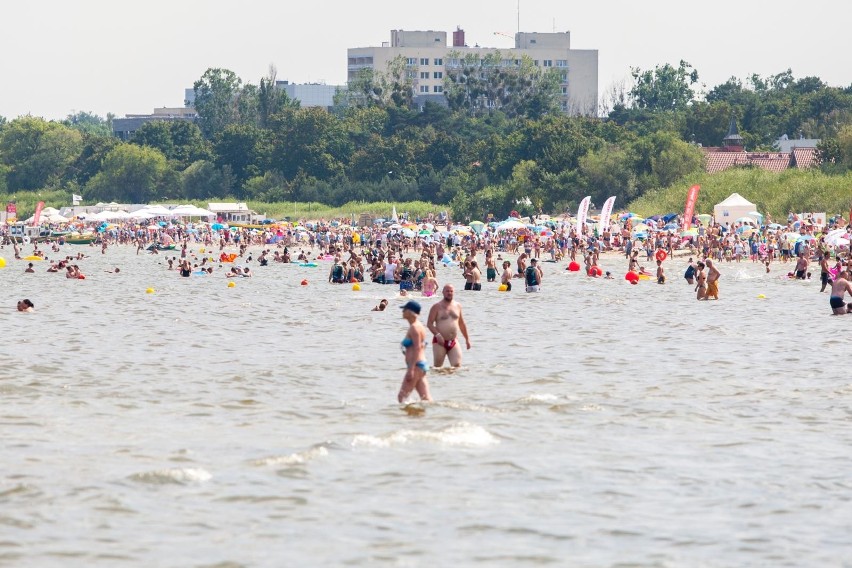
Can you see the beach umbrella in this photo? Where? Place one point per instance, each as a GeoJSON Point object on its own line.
{"type": "Point", "coordinates": [628, 216]}
{"type": "Point", "coordinates": [834, 237]}
{"type": "Point", "coordinates": [803, 238]}
{"type": "Point", "coordinates": [669, 217]}
{"type": "Point", "coordinates": [640, 228]}
{"type": "Point", "coordinates": [747, 220]}
{"type": "Point", "coordinates": [704, 218]}
{"type": "Point", "coordinates": [671, 226]}
{"type": "Point", "coordinates": [774, 226]}
{"type": "Point", "coordinates": [477, 226]}
{"type": "Point", "coordinates": [510, 225]}
{"type": "Point", "coordinates": [424, 232]}
{"type": "Point", "coordinates": [406, 232]}
{"type": "Point", "coordinates": [756, 215]}
{"type": "Point", "coordinates": [689, 233]}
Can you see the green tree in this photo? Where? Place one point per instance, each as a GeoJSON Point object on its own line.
{"type": "Point", "coordinates": [136, 174]}
{"type": "Point", "coordinates": [203, 180]}
{"type": "Point", "coordinates": [675, 160]}
{"type": "Point", "coordinates": [371, 87]}
{"type": "Point", "coordinates": [180, 141]}
{"type": "Point", "coordinates": [37, 152]}
{"type": "Point", "coordinates": [497, 82]}
{"type": "Point", "coordinates": [88, 163]}
{"type": "Point", "coordinates": [309, 140]}
{"type": "Point", "coordinates": [90, 123]}
{"type": "Point", "coordinates": [270, 99]}
{"type": "Point", "coordinates": [217, 100]}
{"type": "Point", "coordinates": [664, 88]}
{"type": "Point", "coordinates": [245, 149]}
{"type": "Point", "coordinates": [609, 171]}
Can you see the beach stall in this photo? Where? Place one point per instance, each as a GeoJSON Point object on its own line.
{"type": "Point", "coordinates": [734, 207]}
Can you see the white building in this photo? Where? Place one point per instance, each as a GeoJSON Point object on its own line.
{"type": "Point", "coordinates": [428, 58]}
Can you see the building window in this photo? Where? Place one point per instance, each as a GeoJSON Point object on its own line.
{"type": "Point", "coordinates": [439, 61]}
{"type": "Point", "coordinates": [548, 63]}
{"type": "Point", "coordinates": [564, 90]}
{"type": "Point", "coordinates": [424, 88]}
{"type": "Point", "coordinates": [411, 61]}
{"type": "Point", "coordinates": [564, 77]}
{"type": "Point", "coordinates": [424, 61]}
{"type": "Point", "coordinates": [564, 106]}
{"type": "Point", "coordinates": [535, 62]}
{"type": "Point", "coordinates": [438, 75]}
{"type": "Point", "coordinates": [562, 63]}
{"type": "Point", "coordinates": [532, 41]}
{"type": "Point", "coordinates": [438, 89]}
{"type": "Point", "coordinates": [411, 74]}
{"type": "Point", "coordinates": [424, 74]}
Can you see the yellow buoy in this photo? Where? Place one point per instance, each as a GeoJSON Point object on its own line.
{"type": "Point", "coordinates": [2, 262]}
{"type": "Point", "coordinates": [201, 250]}
{"type": "Point", "coordinates": [231, 284]}
{"type": "Point", "coordinates": [502, 288]}
{"type": "Point", "coordinates": [761, 297]}
{"type": "Point", "coordinates": [149, 291]}
{"type": "Point", "coordinates": [356, 287]}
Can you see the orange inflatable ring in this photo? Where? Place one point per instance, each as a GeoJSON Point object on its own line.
{"type": "Point", "coordinates": [661, 255]}
{"type": "Point", "coordinates": [631, 277]}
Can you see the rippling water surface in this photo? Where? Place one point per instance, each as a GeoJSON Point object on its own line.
{"type": "Point", "coordinates": [593, 424]}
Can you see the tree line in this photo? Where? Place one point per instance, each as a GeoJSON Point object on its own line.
{"type": "Point", "coordinates": [500, 143]}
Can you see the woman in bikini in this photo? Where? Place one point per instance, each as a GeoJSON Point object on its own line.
{"type": "Point", "coordinates": [414, 349]}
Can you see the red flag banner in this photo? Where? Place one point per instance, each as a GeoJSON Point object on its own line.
{"type": "Point", "coordinates": [11, 208]}
{"type": "Point", "coordinates": [689, 209]}
{"type": "Point", "coordinates": [37, 214]}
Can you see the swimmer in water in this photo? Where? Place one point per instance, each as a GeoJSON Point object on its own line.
{"type": "Point", "coordinates": [414, 349]}
{"type": "Point", "coordinates": [446, 321]}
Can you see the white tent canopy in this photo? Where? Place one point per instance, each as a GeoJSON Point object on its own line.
{"type": "Point", "coordinates": [191, 211]}
{"type": "Point", "coordinates": [732, 208]}
{"type": "Point", "coordinates": [153, 211]}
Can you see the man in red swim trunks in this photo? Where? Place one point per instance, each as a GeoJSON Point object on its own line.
{"type": "Point", "coordinates": [445, 321]}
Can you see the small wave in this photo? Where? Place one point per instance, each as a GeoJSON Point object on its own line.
{"type": "Point", "coordinates": [179, 475]}
{"type": "Point", "coordinates": [461, 434]}
{"type": "Point", "coordinates": [538, 399]}
{"type": "Point", "coordinates": [297, 458]}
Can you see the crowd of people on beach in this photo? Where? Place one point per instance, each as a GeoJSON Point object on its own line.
{"type": "Point", "coordinates": [407, 256]}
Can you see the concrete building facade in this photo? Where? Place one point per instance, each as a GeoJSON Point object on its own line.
{"type": "Point", "coordinates": [429, 58]}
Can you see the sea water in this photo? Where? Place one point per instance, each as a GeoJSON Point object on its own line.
{"type": "Point", "coordinates": [593, 424]}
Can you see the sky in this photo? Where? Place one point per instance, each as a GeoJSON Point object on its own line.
{"type": "Point", "coordinates": [59, 57]}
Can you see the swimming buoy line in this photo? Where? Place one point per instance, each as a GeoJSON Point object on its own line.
{"type": "Point", "coordinates": [661, 255]}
